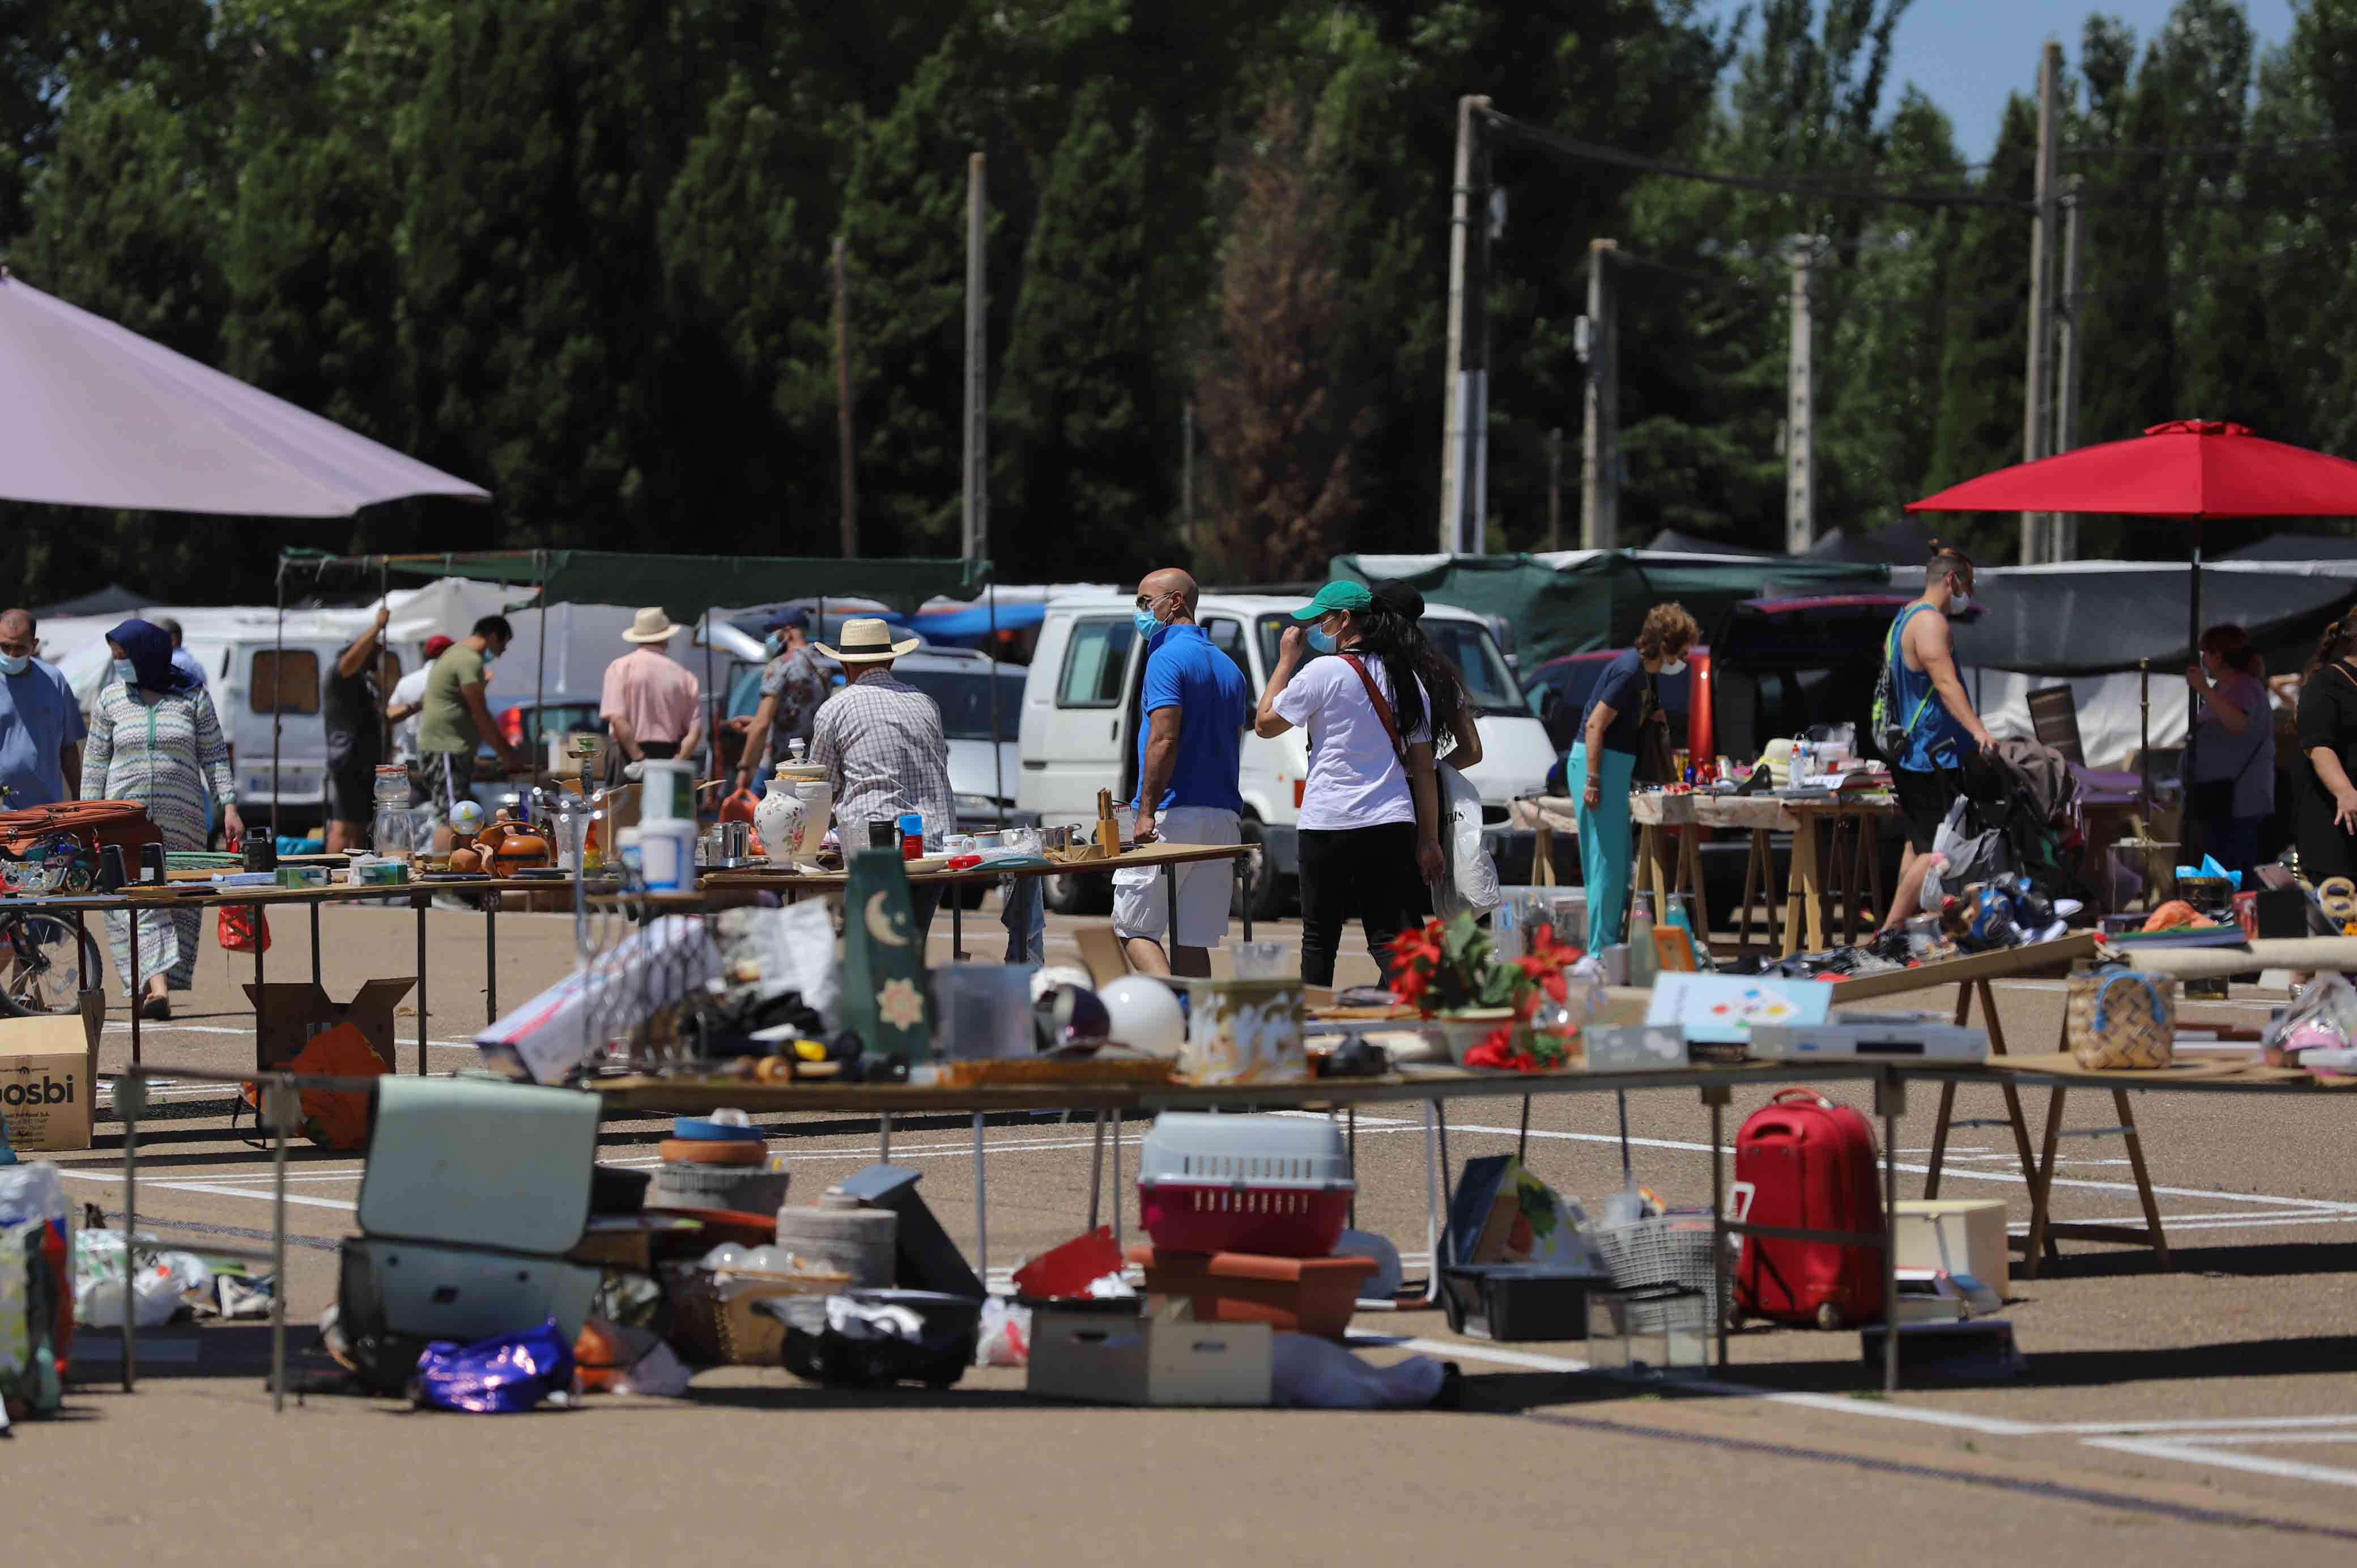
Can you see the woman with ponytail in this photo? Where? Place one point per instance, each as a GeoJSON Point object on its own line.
{"type": "Point", "coordinates": [1370, 834]}
{"type": "Point", "coordinates": [2328, 741]}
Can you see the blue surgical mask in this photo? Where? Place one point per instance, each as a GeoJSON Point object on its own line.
{"type": "Point", "coordinates": [126, 671]}
{"type": "Point", "coordinates": [1147, 624]}
{"type": "Point", "coordinates": [1320, 640]}
{"type": "Point", "coordinates": [773, 645]}
{"type": "Point", "coordinates": [14, 663]}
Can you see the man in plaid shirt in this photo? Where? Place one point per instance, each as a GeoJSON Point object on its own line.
{"type": "Point", "coordinates": [881, 743]}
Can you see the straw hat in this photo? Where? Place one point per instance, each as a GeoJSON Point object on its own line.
{"type": "Point", "coordinates": [651, 626]}
{"type": "Point", "coordinates": [867, 640]}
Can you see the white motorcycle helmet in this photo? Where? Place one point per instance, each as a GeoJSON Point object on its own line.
{"type": "Point", "coordinates": [1146, 1015]}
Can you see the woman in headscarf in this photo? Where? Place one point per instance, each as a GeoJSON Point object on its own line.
{"type": "Point", "coordinates": [155, 738]}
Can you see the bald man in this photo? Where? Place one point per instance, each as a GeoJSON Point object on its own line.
{"type": "Point", "coordinates": [41, 727]}
{"type": "Point", "coordinates": [1189, 750]}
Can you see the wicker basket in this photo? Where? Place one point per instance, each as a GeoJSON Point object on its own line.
{"type": "Point", "coordinates": [714, 1323]}
{"type": "Point", "coordinates": [1665, 1250]}
{"type": "Point", "coordinates": [2124, 1019]}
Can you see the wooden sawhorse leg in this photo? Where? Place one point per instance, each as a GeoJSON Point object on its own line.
{"type": "Point", "coordinates": [1760, 881]}
{"type": "Point", "coordinates": [2013, 1118]}
{"type": "Point", "coordinates": [2044, 1229]}
{"type": "Point", "coordinates": [1689, 846]}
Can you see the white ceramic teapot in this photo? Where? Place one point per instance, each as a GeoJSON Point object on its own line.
{"type": "Point", "coordinates": [795, 813]}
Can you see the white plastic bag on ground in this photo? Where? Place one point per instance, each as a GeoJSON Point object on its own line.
{"type": "Point", "coordinates": [1471, 881]}
{"type": "Point", "coordinates": [1005, 1334]}
{"type": "Point", "coordinates": [1310, 1373]}
{"type": "Point", "coordinates": [658, 1374]}
{"type": "Point", "coordinates": [156, 1290]}
{"type": "Point", "coordinates": [32, 1190]}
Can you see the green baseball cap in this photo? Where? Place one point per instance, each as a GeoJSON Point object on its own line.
{"type": "Point", "coordinates": [1336, 596]}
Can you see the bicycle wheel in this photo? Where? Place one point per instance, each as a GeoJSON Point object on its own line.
{"type": "Point", "coordinates": [38, 970]}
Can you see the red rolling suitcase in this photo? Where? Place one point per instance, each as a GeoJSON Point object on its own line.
{"type": "Point", "coordinates": [1804, 1162]}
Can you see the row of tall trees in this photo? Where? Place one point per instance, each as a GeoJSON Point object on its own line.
{"type": "Point", "coordinates": [578, 251]}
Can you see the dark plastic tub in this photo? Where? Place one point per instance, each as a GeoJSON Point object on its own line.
{"type": "Point", "coordinates": [1518, 1301]}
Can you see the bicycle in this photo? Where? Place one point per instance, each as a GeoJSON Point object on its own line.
{"type": "Point", "coordinates": [40, 969]}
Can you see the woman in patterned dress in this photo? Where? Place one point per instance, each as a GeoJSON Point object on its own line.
{"type": "Point", "coordinates": [155, 738]}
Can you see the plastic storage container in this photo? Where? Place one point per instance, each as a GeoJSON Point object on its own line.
{"type": "Point", "coordinates": [1277, 1185]}
{"type": "Point", "coordinates": [1518, 1301]}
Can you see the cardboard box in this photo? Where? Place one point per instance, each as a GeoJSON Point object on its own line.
{"type": "Point", "coordinates": [291, 1012]}
{"type": "Point", "coordinates": [47, 1079]}
{"type": "Point", "coordinates": [1114, 1359]}
{"type": "Point", "coordinates": [1962, 1235]}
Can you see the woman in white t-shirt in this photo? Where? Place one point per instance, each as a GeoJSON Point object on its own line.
{"type": "Point", "coordinates": [1369, 831]}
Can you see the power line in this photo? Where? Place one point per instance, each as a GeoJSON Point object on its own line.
{"type": "Point", "coordinates": [1593, 152]}
{"type": "Point", "coordinates": [2284, 146]}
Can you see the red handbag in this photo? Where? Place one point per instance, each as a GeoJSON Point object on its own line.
{"type": "Point", "coordinates": [243, 928]}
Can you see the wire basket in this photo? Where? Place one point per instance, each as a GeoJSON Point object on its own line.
{"type": "Point", "coordinates": [1663, 1249]}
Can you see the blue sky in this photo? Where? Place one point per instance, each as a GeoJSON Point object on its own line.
{"type": "Point", "coordinates": [1966, 55]}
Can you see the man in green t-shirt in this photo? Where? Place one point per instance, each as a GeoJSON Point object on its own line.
{"type": "Point", "coordinates": [454, 716]}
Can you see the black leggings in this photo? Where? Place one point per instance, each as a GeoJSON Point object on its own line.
{"type": "Point", "coordinates": [1372, 870]}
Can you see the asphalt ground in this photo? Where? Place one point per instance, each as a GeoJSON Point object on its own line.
{"type": "Point", "coordinates": [2167, 1415]}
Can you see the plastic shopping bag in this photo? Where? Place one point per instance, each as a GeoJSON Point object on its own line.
{"type": "Point", "coordinates": [243, 928]}
{"type": "Point", "coordinates": [1471, 881]}
{"type": "Point", "coordinates": [160, 1288]}
{"type": "Point", "coordinates": [502, 1375]}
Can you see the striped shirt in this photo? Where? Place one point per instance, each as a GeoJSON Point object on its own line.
{"type": "Point", "coordinates": [880, 742]}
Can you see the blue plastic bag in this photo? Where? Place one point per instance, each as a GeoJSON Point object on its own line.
{"type": "Point", "coordinates": [497, 1375]}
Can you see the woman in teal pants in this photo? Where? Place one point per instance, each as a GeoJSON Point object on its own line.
{"type": "Point", "coordinates": [1604, 760]}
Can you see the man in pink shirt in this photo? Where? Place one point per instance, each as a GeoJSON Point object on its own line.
{"type": "Point", "coordinates": [651, 699]}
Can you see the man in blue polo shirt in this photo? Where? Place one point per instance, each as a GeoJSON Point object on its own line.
{"type": "Point", "coordinates": [1189, 751]}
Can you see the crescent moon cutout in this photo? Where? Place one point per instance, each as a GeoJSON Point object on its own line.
{"type": "Point", "coordinates": [879, 924]}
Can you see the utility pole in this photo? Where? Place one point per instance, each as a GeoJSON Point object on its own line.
{"type": "Point", "coordinates": [977, 373]}
{"type": "Point", "coordinates": [1599, 446]}
{"type": "Point", "coordinates": [1800, 440]}
{"type": "Point", "coordinates": [1187, 475]}
{"type": "Point", "coordinates": [1555, 488]}
{"type": "Point", "coordinates": [2038, 391]}
{"type": "Point", "coordinates": [843, 404]}
{"type": "Point", "coordinates": [1468, 337]}
{"type": "Point", "coordinates": [2071, 352]}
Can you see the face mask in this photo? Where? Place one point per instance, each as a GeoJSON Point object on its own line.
{"type": "Point", "coordinates": [1959, 602]}
{"type": "Point", "coordinates": [1674, 667]}
{"type": "Point", "coordinates": [773, 645]}
{"type": "Point", "coordinates": [14, 663]}
{"type": "Point", "coordinates": [126, 671]}
{"type": "Point", "coordinates": [1147, 624]}
{"type": "Point", "coordinates": [1320, 640]}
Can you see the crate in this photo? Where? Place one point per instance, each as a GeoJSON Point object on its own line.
{"type": "Point", "coordinates": [1278, 1186]}
{"type": "Point", "coordinates": [1517, 1301]}
{"type": "Point", "coordinates": [1674, 1250]}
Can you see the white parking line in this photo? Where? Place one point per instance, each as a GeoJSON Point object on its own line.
{"type": "Point", "coordinates": [2204, 1453]}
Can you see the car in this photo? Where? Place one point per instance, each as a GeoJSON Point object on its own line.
{"type": "Point", "coordinates": [1081, 716]}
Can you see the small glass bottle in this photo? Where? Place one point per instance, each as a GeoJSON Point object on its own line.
{"type": "Point", "coordinates": [1644, 964]}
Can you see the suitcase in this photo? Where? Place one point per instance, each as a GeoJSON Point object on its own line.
{"type": "Point", "coordinates": [393, 1298]}
{"type": "Point", "coordinates": [1801, 1161]}
{"type": "Point", "coordinates": [95, 823]}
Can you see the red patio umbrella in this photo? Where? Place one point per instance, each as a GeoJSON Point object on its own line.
{"type": "Point", "coordinates": [2188, 470]}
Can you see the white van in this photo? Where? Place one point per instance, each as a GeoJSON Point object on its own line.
{"type": "Point", "coordinates": [246, 667]}
{"type": "Point", "coordinates": [1079, 724]}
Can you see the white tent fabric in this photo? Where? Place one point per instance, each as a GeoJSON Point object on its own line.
{"type": "Point", "coordinates": [99, 416]}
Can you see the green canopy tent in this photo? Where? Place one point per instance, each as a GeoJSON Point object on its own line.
{"type": "Point", "coordinates": [688, 587]}
{"type": "Point", "coordinates": [1577, 601]}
